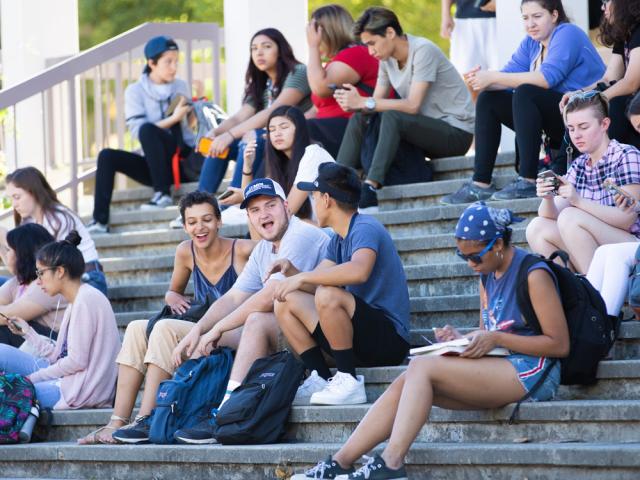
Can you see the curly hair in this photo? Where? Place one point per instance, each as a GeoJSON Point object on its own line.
{"type": "Point", "coordinates": [624, 19]}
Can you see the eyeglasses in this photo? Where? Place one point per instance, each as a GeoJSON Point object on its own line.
{"type": "Point", "coordinates": [476, 257]}
{"type": "Point", "coordinates": [39, 272]}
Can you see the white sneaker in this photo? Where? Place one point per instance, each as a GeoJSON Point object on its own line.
{"type": "Point", "coordinates": [342, 389]}
{"type": "Point", "coordinates": [96, 227]}
{"type": "Point", "coordinates": [176, 223]}
{"type": "Point", "coordinates": [159, 200]}
{"type": "Point", "coordinates": [314, 383]}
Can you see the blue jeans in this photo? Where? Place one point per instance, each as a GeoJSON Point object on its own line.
{"type": "Point", "coordinates": [96, 279]}
{"type": "Point", "coordinates": [13, 360]}
{"type": "Point", "coordinates": [214, 168]}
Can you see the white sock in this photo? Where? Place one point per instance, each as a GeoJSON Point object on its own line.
{"type": "Point", "coordinates": [231, 386]}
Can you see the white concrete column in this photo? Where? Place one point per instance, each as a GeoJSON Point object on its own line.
{"type": "Point", "coordinates": [242, 18]}
{"type": "Point", "coordinates": [511, 32]}
{"type": "Point", "coordinates": [33, 31]}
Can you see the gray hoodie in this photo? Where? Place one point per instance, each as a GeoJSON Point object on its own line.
{"type": "Point", "coordinates": [147, 102]}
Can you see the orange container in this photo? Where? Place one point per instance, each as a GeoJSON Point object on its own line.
{"type": "Point", "coordinates": [205, 144]}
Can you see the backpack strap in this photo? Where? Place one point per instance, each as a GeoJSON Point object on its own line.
{"type": "Point", "coordinates": [534, 389]}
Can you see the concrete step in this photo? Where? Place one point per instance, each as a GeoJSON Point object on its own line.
{"type": "Point", "coordinates": [555, 421]}
{"type": "Point", "coordinates": [452, 461]}
{"type": "Point", "coordinates": [442, 219]}
{"type": "Point", "coordinates": [462, 167]}
{"type": "Point", "coordinates": [420, 195]}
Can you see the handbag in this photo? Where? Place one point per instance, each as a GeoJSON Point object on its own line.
{"type": "Point", "coordinates": [194, 313]}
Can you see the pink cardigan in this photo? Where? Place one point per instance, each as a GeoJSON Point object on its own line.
{"type": "Point", "coordinates": [88, 372]}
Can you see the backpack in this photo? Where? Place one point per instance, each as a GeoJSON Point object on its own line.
{"type": "Point", "coordinates": [592, 332]}
{"type": "Point", "coordinates": [208, 115]}
{"type": "Point", "coordinates": [197, 386]}
{"type": "Point", "coordinates": [257, 411]}
{"type": "Point", "coordinates": [17, 396]}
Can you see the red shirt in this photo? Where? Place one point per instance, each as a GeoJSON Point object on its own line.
{"type": "Point", "coordinates": [358, 58]}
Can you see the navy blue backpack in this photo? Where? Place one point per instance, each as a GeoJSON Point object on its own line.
{"type": "Point", "coordinates": [197, 386]}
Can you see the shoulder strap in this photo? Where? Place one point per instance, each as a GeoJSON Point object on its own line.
{"type": "Point", "coordinates": [534, 389]}
{"type": "Point", "coordinates": [233, 250]}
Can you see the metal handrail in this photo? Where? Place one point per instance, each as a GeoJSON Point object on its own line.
{"type": "Point", "coordinates": [64, 83]}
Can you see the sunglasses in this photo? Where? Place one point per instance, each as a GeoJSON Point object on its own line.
{"type": "Point", "coordinates": [39, 272]}
{"type": "Point", "coordinates": [476, 257]}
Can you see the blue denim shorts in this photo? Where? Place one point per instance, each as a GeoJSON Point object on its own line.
{"type": "Point", "coordinates": [530, 369]}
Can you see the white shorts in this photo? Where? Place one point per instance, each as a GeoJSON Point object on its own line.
{"type": "Point", "coordinates": [474, 42]}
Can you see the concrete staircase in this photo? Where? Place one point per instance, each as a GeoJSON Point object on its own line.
{"type": "Point", "coordinates": [587, 432]}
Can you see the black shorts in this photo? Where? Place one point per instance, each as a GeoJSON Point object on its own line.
{"type": "Point", "coordinates": [375, 340]}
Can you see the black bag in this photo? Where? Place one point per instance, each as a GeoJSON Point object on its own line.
{"type": "Point", "coordinates": [195, 312]}
{"type": "Point", "coordinates": [592, 332]}
{"type": "Point", "coordinates": [409, 164]}
{"type": "Point", "coordinates": [257, 411]}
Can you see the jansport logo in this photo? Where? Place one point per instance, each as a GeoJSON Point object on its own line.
{"type": "Point", "coordinates": [162, 395]}
{"type": "Point", "coordinates": [267, 375]}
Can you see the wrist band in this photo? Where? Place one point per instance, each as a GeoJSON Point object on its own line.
{"type": "Point", "coordinates": [247, 174]}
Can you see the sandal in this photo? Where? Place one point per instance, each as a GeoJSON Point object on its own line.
{"type": "Point", "coordinates": [93, 438]}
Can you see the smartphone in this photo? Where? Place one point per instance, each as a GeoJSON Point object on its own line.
{"type": "Point", "coordinates": [174, 103]}
{"type": "Point", "coordinates": [480, 3]}
{"type": "Point", "coordinates": [225, 194]}
{"type": "Point", "coordinates": [333, 87]}
{"type": "Point", "coordinates": [15, 324]}
{"type": "Point", "coordinates": [616, 190]}
{"type": "Point", "coordinates": [204, 145]}
{"type": "Point", "coordinates": [551, 178]}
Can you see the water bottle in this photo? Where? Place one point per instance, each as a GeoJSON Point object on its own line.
{"type": "Point", "coordinates": [27, 428]}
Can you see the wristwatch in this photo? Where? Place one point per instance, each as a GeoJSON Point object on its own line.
{"type": "Point", "coordinates": [370, 104]}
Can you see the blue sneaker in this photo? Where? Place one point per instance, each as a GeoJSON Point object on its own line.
{"type": "Point", "coordinates": [375, 469]}
{"type": "Point", "coordinates": [199, 434]}
{"type": "Point", "coordinates": [136, 432]}
{"type": "Point", "coordinates": [326, 469]}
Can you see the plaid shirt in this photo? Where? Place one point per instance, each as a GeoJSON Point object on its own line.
{"type": "Point", "coordinates": [620, 162]}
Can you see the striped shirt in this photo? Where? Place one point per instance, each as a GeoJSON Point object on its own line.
{"type": "Point", "coordinates": [620, 162]}
{"type": "Point", "coordinates": [297, 79]}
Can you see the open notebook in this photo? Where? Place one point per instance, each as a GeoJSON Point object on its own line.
{"type": "Point", "coordinates": [453, 347]}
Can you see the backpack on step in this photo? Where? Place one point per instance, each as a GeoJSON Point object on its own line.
{"type": "Point", "coordinates": [17, 396]}
{"type": "Point", "coordinates": [257, 411]}
{"type": "Point", "coordinates": [197, 386]}
{"type": "Point", "coordinates": [592, 332]}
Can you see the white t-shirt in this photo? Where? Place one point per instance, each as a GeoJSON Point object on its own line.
{"type": "Point", "coordinates": [314, 156]}
{"type": "Point", "coordinates": [87, 246]}
{"type": "Point", "coordinates": [303, 244]}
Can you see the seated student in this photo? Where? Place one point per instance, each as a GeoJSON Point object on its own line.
{"type": "Point", "coordinates": [21, 296]}
{"type": "Point", "coordinates": [244, 317]}
{"type": "Point", "coordinates": [434, 111]}
{"type": "Point", "coordinates": [583, 215]}
{"type": "Point", "coordinates": [214, 263]}
{"type": "Point", "coordinates": [146, 104]}
{"type": "Point", "coordinates": [78, 370]}
{"type": "Point", "coordinates": [472, 380]}
{"type": "Point", "coordinates": [35, 201]}
{"type": "Point", "coordinates": [274, 77]}
{"type": "Point", "coordinates": [330, 36]}
{"type": "Point", "coordinates": [620, 29]}
{"type": "Point", "coordinates": [290, 157]}
{"type": "Point", "coordinates": [555, 57]}
{"type": "Point", "coordinates": [354, 306]}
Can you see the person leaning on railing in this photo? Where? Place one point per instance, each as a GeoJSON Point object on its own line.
{"type": "Point", "coordinates": [148, 105]}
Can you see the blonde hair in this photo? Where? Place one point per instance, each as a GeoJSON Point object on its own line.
{"type": "Point", "coordinates": [337, 27]}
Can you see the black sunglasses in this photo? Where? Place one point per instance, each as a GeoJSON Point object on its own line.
{"type": "Point", "coordinates": [476, 257]}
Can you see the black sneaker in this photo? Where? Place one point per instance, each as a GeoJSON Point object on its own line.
{"type": "Point", "coordinates": [468, 193]}
{"type": "Point", "coordinates": [376, 469]}
{"type": "Point", "coordinates": [519, 188]}
{"type": "Point", "coordinates": [368, 196]}
{"type": "Point", "coordinates": [324, 469]}
{"type": "Point", "coordinates": [199, 434]}
{"type": "Point", "coordinates": [136, 432]}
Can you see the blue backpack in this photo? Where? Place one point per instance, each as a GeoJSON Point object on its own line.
{"type": "Point", "coordinates": [17, 396]}
{"type": "Point", "coordinates": [197, 386]}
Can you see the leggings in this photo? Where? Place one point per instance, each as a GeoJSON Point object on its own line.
{"type": "Point", "coordinates": [154, 168]}
{"type": "Point", "coordinates": [609, 273]}
{"type": "Point", "coordinates": [528, 110]}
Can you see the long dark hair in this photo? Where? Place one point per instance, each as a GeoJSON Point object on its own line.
{"type": "Point", "coordinates": [32, 180]}
{"type": "Point", "coordinates": [256, 80]}
{"type": "Point", "coordinates": [278, 166]}
{"type": "Point", "coordinates": [550, 6]}
{"type": "Point", "coordinates": [625, 17]}
{"type": "Point", "coordinates": [64, 254]}
{"type": "Point", "coordinates": [26, 240]}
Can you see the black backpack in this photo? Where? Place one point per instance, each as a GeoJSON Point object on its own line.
{"type": "Point", "coordinates": [257, 411]}
{"type": "Point", "coordinates": [592, 332]}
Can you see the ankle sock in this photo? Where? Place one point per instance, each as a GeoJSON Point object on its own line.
{"type": "Point", "coordinates": [231, 386]}
{"type": "Point", "coordinates": [314, 360]}
{"type": "Point", "coordinates": [345, 361]}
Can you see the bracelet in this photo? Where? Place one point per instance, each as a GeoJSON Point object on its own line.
{"type": "Point", "coordinates": [247, 173]}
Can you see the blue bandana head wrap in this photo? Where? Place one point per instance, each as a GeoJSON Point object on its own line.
{"type": "Point", "coordinates": [483, 223]}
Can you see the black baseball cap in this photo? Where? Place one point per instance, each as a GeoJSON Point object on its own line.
{"type": "Point", "coordinates": [340, 182]}
{"type": "Point", "coordinates": [159, 45]}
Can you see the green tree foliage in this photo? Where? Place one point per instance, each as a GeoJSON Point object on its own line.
{"type": "Point", "coordinates": [101, 20]}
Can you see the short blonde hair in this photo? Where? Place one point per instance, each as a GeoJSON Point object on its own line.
{"type": "Point", "coordinates": [337, 27]}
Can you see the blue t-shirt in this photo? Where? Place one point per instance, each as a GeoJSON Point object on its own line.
{"type": "Point", "coordinates": [386, 288]}
{"type": "Point", "coordinates": [498, 305]}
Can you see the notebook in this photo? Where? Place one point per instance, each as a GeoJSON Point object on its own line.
{"type": "Point", "coordinates": [454, 348]}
